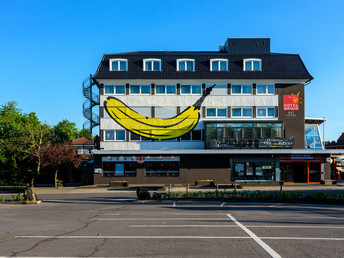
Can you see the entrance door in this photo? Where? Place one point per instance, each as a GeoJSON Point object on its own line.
{"type": "Point", "coordinates": [300, 172]}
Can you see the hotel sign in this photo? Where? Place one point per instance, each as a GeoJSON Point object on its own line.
{"type": "Point", "coordinates": [291, 102]}
{"type": "Point", "coordinates": [282, 143]}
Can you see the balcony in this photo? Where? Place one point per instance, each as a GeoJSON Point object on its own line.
{"type": "Point", "coordinates": [267, 143]}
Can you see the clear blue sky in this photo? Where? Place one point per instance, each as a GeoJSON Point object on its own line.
{"type": "Point", "coordinates": [47, 48]}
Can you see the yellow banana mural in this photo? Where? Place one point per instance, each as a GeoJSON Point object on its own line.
{"type": "Point", "coordinates": [155, 128]}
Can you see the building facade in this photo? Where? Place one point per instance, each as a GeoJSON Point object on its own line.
{"type": "Point", "coordinates": [237, 114]}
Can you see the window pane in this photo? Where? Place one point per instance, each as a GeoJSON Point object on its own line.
{"type": "Point", "coordinates": [109, 89]}
{"type": "Point", "coordinates": [186, 89]}
{"type": "Point", "coordinates": [171, 89]}
{"type": "Point", "coordinates": [236, 89]}
{"type": "Point", "coordinates": [120, 135]}
{"type": "Point", "coordinates": [271, 112]}
{"type": "Point", "coordinates": [256, 65]}
{"type": "Point", "coordinates": [135, 89]}
{"type": "Point", "coordinates": [261, 112]}
{"type": "Point", "coordinates": [123, 65]}
{"type": "Point", "coordinates": [186, 137]}
{"type": "Point", "coordinates": [219, 89]}
{"type": "Point", "coordinates": [261, 89]}
{"type": "Point", "coordinates": [159, 89]}
{"type": "Point", "coordinates": [120, 89]}
{"type": "Point", "coordinates": [182, 66]}
{"type": "Point", "coordinates": [215, 65]}
{"type": "Point", "coordinates": [223, 65]}
{"type": "Point", "coordinates": [165, 112]}
{"type": "Point", "coordinates": [156, 65]}
{"type": "Point", "coordinates": [196, 135]}
{"type": "Point", "coordinates": [148, 66]}
{"type": "Point", "coordinates": [119, 169]}
{"type": "Point", "coordinates": [115, 66]}
{"type": "Point", "coordinates": [189, 65]}
{"type": "Point", "coordinates": [271, 89]}
{"type": "Point", "coordinates": [247, 89]}
{"type": "Point", "coordinates": [247, 112]}
{"type": "Point", "coordinates": [196, 89]}
{"type": "Point", "coordinates": [109, 135]}
{"type": "Point", "coordinates": [211, 112]}
{"type": "Point", "coordinates": [145, 89]}
{"type": "Point", "coordinates": [236, 111]}
{"type": "Point", "coordinates": [248, 65]}
{"type": "Point", "coordinates": [134, 137]}
{"type": "Point", "coordinates": [222, 112]}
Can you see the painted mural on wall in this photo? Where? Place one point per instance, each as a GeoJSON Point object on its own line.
{"type": "Point", "coordinates": [155, 128]}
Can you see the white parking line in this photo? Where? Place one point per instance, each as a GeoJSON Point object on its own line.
{"type": "Point", "coordinates": [134, 237]}
{"type": "Point", "coordinates": [222, 204]}
{"type": "Point", "coordinates": [255, 238]}
{"type": "Point", "coordinates": [105, 219]}
{"type": "Point", "coordinates": [305, 238]}
{"type": "Point", "coordinates": [181, 226]}
{"type": "Point", "coordinates": [277, 204]}
{"type": "Point", "coordinates": [174, 204]}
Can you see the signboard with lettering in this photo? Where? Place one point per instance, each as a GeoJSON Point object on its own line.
{"type": "Point", "coordinates": [291, 102]}
{"type": "Point", "coordinates": [284, 143]}
{"type": "Point", "coordinates": [140, 158]}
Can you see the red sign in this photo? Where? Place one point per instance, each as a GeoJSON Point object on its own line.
{"type": "Point", "coordinates": [140, 159]}
{"type": "Point", "coordinates": [291, 102]}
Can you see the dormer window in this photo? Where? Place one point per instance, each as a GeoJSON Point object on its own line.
{"type": "Point", "coordinates": [252, 64]}
{"type": "Point", "coordinates": [185, 64]}
{"type": "Point", "coordinates": [218, 65]}
{"type": "Point", "coordinates": [152, 64]}
{"type": "Point", "coordinates": [118, 64]}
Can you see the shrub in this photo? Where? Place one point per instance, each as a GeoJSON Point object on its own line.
{"type": "Point", "coordinates": [2, 199]}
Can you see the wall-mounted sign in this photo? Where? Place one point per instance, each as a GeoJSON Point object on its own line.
{"type": "Point", "coordinates": [97, 170]}
{"type": "Point", "coordinates": [291, 102]}
{"type": "Point", "coordinates": [276, 143]}
{"type": "Point", "coordinates": [140, 159]}
{"type": "Point", "coordinates": [145, 158]}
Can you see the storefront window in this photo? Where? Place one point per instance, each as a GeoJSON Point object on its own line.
{"type": "Point", "coordinates": [119, 169]}
{"type": "Point", "coordinates": [162, 169]}
{"type": "Point", "coordinates": [253, 171]}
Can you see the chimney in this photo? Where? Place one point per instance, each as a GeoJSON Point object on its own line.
{"type": "Point", "coordinates": [76, 136]}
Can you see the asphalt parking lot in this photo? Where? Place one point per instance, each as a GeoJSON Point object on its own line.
{"type": "Point", "coordinates": [114, 224]}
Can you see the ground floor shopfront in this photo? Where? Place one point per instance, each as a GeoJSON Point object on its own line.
{"type": "Point", "coordinates": [222, 167]}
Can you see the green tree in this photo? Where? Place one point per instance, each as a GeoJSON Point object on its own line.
{"type": "Point", "coordinates": [85, 133]}
{"type": "Point", "coordinates": [64, 131]}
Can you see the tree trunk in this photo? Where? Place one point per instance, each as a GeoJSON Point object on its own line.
{"type": "Point", "coordinates": [30, 193]}
{"type": "Point", "coordinates": [56, 171]}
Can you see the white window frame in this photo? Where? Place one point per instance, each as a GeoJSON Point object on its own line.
{"type": "Point", "coordinates": [266, 89]}
{"type": "Point", "coordinates": [186, 60]}
{"type": "Point", "coordinates": [151, 60]}
{"type": "Point", "coordinates": [266, 112]}
{"type": "Point", "coordinates": [115, 140]}
{"type": "Point", "coordinates": [166, 85]}
{"type": "Point", "coordinates": [218, 60]}
{"type": "Point", "coordinates": [150, 89]}
{"type": "Point", "coordinates": [252, 60]}
{"type": "Point", "coordinates": [191, 93]}
{"type": "Point", "coordinates": [216, 116]}
{"type": "Point", "coordinates": [242, 113]}
{"type": "Point", "coordinates": [241, 89]}
{"type": "Point", "coordinates": [118, 60]}
{"type": "Point", "coordinates": [114, 89]}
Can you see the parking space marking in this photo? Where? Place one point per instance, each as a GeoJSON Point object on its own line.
{"type": "Point", "coordinates": [222, 204]}
{"type": "Point", "coordinates": [267, 248]}
{"type": "Point", "coordinates": [133, 237]}
{"type": "Point", "coordinates": [105, 219]}
{"type": "Point", "coordinates": [174, 204]}
{"type": "Point", "coordinates": [277, 204]}
{"type": "Point", "coordinates": [294, 226]}
{"type": "Point", "coordinates": [182, 226]}
{"type": "Point", "coordinates": [305, 238]}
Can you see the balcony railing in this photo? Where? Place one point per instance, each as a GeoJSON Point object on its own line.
{"type": "Point", "coordinates": [268, 143]}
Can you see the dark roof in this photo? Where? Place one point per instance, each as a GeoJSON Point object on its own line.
{"type": "Point", "coordinates": [247, 45]}
{"type": "Point", "coordinates": [274, 66]}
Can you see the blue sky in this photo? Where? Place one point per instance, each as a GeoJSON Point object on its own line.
{"type": "Point", "coordinates": [48, 48]}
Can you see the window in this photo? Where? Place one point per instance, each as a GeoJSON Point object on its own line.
{"type": "Point", "coordinates": [265, 112]}
{"type": "Point", "coordinates": [241, 112]}
{"type": "Point", "coordinates": [114, 135]}
{"type": "Point", "coordinates": [185, 64]}
{"type": "Point", "coordinates": [140, 89]}
{"type": "Point", "coordinates": [265, 89]}
{"type": "Point", "coordinates": [218, 65]}
{"type": "Point", "coordinates": [151, 64]}
{"type": "Point", "coordinates": [118, 64]}
{"type": "Point", "coordinates": [217, 112]}
{"type": "Point", "coordinates": [162, 168]}
{"type": "Point", "coordinates": [219, 89]}
{"type": "Point", "coordinates": [312, 137]}
{"type": "Point", "coordinates": [191, 89]}
{"type": "Point", "coordinates": [165, 89]}
{"type": "Point", "coordinates": [165, 112]}
{"type": "Point", "coordinates": [119, 169]}
{"type": "Point", "coordinates": [252, 64]}
{"type": "Point", "coordinates": [115, 89]}
{"type": "Point", "coordinates": [136, 137]}
{"type": "Point", "coordinates": [194, 135]}
{"type": "Point", "coordinates": [241, 89]}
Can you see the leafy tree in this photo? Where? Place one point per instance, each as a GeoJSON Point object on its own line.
{"type": "Point", "coordinates": [85, 133]}
{"type": "Point", "coordinates": [58, 154]}
{"type": "Point", "coordinates": [65, 131]}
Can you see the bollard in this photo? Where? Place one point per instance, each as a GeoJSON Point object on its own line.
{"type": "Point", "coordinates": [281, 184]}
{"type": "Point", "coordinates": [187, 188]}
{"type": "Point", "coordinates": [217, 187]}
{"type": "Point", "coordinates": [169, 188]}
